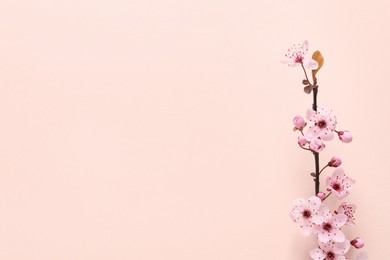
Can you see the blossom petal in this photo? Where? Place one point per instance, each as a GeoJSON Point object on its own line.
{"type": "Point", "coordinates": [339, 220]}
{"type": "Point", "coordinates": [327, 135]}
{"type": "Point", "coordinates": [341, 248]}
{"type": "Point", "coordinates": [296, 216]}
{"type": "Point", "coordinates": [305, 47]}
{"type": "Point", "coordinates": [362, 256]}
{"type": "Point", "coordinates": [314, 202]}
{"type": "Point", "coordinates": [290, 63]}
{"type": "Point", "coordinates": [310, 63]}
{"type": "Point", "coordinates": [337, 235]}
{"type": "Point", "coordinates": [306, 228]}
{"type": "Point", "coordinates": [310, 114]}
{"type": "Point", "coordinates": [317, 254]}
{"type": "Point", "coordinates": [299, 204]}
{"type": "Point", "coordinates": [323, 236]}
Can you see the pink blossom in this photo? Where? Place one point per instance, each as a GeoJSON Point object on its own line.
{"type": "Point", "coordinates": [357, 243]}
{"type": "Point", "coordinates": [345, 136]}
{"type": "Point", "coordinates": [302, 141]}
{"type": "Point", "coordinates": [306, 214]}
{"type": "Point", "coordinates": [349, 211]}
{"type": "Point", "coordinates": [339, 183]}
{"type": "Point", "coordinates": [330, 251]}
{"type": "Point", "coordinates": [334, 162]}
{"type": "Point", "coordinates": [299, 123]}
{"type": "Point", "coordinates": [362, 256]}
{"type": "Point", "coordinates": [321, 195]}
{"type": "Point", "coordinates": [330, 228]}
{"type": "Point", "coordinates": [317, 145]}
{"type": "Point", "coordinates": [296, 57]}
{"type": "Point", "coordinates": [324, 123]}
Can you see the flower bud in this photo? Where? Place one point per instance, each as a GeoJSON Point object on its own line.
{"type": "Point", "coordinates": [345, 136]}
{"type": "Point", "coordinates": [317, 145]}
{"type": "Point", "coordinates": [334, 162]}
{"type": "Point", "coordinates": [321, 195]}
{"type": "Point", "coordinates": [357, 243]}
{"type": "Point", "coordinates": [299, 123]}
{"type": "Point", "coordinates": [302, 140]}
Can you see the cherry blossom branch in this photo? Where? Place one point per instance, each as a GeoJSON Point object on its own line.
{"type": "Point", "coordinates": [312, 214]}
{"type": "Point", "coordinates": [316, 155]}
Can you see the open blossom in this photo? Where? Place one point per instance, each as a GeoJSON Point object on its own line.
{"type": "Point", "coordinates": [324, 123]}
{"type": "Point", "coordinates": [306, 214]}
{"type": "Point", "coordinates": [330, 251]}
{"type": "Point", "coordinates": [330, 228]}
{"type": "Point", "coordinates": [339, 183]}
{"type": "Point", "coordinates": [349, 211]}
{"type": "Point", "coordinates": [296, 56]}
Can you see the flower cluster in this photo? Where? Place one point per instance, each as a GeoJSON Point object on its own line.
{"type": "Point", "coordinates": [321, 127]}
{"type": "Point", "coordinates": [312, 215]}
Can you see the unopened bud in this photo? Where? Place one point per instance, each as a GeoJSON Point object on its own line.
{"type": "Point", "coordinates": [302, 140]}
{"type": "Point", "coordinates": [357, 243]}
{"type": "Point", "coordinates": [317, 145]}
{"type": "Point", "coordinates": [321, 195]}
{"type": "Point", "coordinates": [299, 122]}
{"type": "Point", "coordinates": [334, 162]}
{"type": "Point", "coordinates": [345, 136]}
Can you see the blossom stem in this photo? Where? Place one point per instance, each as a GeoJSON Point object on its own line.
{"type": "Point", "coordinates": [304, 70]}
{"type": "Point", "coordinates": [307, 149]}
{"type": "Point", "coordinates": [316, 155]}
{"type": "Point", "coordinates": [327, 196]}
{"type": "Point", "coordinates": [323, 168]}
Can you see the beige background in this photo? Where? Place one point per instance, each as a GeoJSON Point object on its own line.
{"type": "Point", "coordinates": [161, 129]}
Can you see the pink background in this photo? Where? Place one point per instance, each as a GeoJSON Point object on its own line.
{"type": "Point", "coordinates": [161, 129]}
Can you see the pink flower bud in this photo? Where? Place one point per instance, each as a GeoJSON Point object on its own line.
{"type": "Point", "coordinates": [302, 140]}
{"type": "Point", "coordinates": [317, 145]}
{"type": "Point", "coordinates": [357, 243]}
{"type": "Point", "coordinates": [345, 136]}
{"type": "Point", "coordinates": [299, 123]}
{"type": "Point", "coordinates": [321, 195]}
{"type": "Point", "coordinates": [334, 162]}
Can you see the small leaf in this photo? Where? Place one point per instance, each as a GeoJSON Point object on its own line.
{"type": "Point", "coordinates": [308, 89]}
{"type": "Point", "coordinates": [313, 174]}
{"type": "Point", "coordinates": [317, 56]}
{"type": "Point", "coordinates": [305, 82]}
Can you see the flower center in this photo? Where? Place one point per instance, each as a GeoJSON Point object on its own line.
{"type": "Point", "coordinates": [306, 213]}
{"type": "Point", "coordinates": [336, 186]}
{"type": "Point", "coordinates": [321, 124]}
{"type": "Point", "coordinates": [327, 227]}
{"type": "Point", "coordinates": [330, 255]}
{"type": "Point", "coordinates": [299, 59]}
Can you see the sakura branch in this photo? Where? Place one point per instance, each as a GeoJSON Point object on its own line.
{"type": "Point", "coordinates": [312, 215]}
